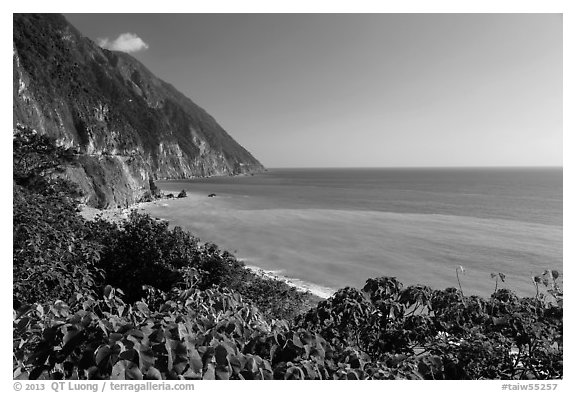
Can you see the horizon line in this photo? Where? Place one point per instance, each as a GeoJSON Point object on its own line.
{"type": "Point", "coordinates": [425, 167]}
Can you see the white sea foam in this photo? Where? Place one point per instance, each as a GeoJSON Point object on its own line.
{"type": "Point", "coordinates": [318, 290]}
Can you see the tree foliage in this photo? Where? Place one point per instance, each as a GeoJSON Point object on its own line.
{"type": "Point", "coordinates": [36, 159]}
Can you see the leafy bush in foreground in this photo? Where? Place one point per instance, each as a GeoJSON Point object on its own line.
{"type": "Point", "coordinates": [215, 334]}
{"type": "Point", "coordinates": [447, 335]}
{"type": "Point", "coordinates": [51, 257]}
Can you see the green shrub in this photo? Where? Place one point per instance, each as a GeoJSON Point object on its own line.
{"type": "Point", "coordinates": [142, 251]}
{"type": "Point", "coordinates": [275, 298]}
{"type": "Point", "coordinates": [51, 257]}
{"type": "Point", "coordinates": [36, 159]}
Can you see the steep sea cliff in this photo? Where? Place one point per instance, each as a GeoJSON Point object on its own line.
{"type": "Point", "coordinates": [126, 125]}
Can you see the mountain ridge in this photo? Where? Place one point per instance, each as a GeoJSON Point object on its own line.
{"type": "Point", "coordinates": [127, 125]}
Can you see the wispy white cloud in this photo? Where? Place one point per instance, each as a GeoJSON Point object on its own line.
{"type": "Point", "coordinates": [125, 42]}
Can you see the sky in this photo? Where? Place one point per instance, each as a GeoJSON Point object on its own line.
{"type": "Point", "coordinates": [361, 90]}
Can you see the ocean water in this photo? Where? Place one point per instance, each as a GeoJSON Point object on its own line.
{"type": "Point", "coordinates": [324, 229]}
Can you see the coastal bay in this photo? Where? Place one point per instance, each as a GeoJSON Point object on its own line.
{"type": "Point", "coordinates": [323, 248]}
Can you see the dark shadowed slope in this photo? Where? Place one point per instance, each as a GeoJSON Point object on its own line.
{"type": "Point", "coordinates": [126, 124]}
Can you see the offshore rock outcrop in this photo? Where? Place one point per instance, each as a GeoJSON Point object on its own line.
{"type": "Point", "coordinates": [127, 125]}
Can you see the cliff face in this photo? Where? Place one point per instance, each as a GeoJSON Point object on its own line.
{"type": "Point", "coordinates": [127, 124]}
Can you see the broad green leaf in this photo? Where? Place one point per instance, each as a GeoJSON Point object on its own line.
{"type": "Point", "coordinates": [191, 374]}
{"type": "Point", "coordinates": [194, 358]}
{"type": "Point", "coordinates": [210, 373]}
{"type": "Point", "coordinates": [296, 341]}
{"type": "Point", "coordinates": [135, 333]}
{"type": "Point", "coordinates": [146, 356]}
{"type": "Point", "coordinates": [131, 355]}
{"type": "Point", "coordinates": [221, 354]}
{"type": "Point", "coordinates": [153, 373]}
{"type": "Point", "coordinates": [20, 373]}
{"type": "Point", "coordinates": [102, 354]}
{"type": "Point", "coordinates": [237, 362]}
{"type": "Point", "coordinates": [126, 370]}
{"type": "Point", "coordinates": [222, 373]}
{"type": "Point", "coordinates": [294, 373]}
{"type": "Point", "coordinates": [108, 291]}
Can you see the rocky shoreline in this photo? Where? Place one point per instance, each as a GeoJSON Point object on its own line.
{"type": "Point", "coordinates": [118, 214]}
